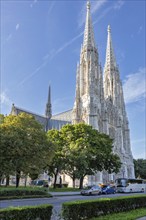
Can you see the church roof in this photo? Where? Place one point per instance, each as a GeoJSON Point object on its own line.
{"type": "Point", "coordinates": [63, 116]}
{"type": "Point", "coordinates": [56, 122]}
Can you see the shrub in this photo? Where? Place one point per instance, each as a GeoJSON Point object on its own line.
{"type": "Point", "coordinates": [41, 212]}
{"type": "Point", "coordinates": [21, 192]}
{"type": "Point", "coordinates": [88, 209]}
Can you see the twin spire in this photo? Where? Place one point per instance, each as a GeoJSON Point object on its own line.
{"type": "Point", "coordinates": [88, 33]}
{"type": "Point", "coordinates": [89, 40]}
{"type": "Point", "coordinates": [110, 57]}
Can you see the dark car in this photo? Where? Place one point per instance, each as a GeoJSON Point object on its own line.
{"type": "Point", "coordinates": [108, 189]}
{"type": "Point", "coordinates": [41, 183]}
{"type": "Point", "coordinates": [91, 190]}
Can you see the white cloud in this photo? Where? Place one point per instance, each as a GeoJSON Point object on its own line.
{"type": "Point", "coordinates": [135, 86]}
{"type": "Point", "coordinates": [9, 37]}
{"type": "Point", "coordinates": [118, 4]}
{"type": "Point", "coordinates": [140, 29]}
{"type": "Point", "coordinates": [95, 6]}
{"type": "Point", "coordinates": [67, 44]}
{"type": "Point", "coordinates": [33, 73]}
{"type": "Point", "coordinates": [51, 7]}
{"type": "Point", "coordinates": [4, 99]}
{"type": "Point", "coordinates": [17, 26]}
{"type": "Point", "coordinates": [33, 3]}
{"type": "Point", "coordinates": [45, 59]}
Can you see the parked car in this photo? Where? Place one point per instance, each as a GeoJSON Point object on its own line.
{"type": "Point", "coordinates": [41, 183]}
{"type": "Point", "coordinates": [91, 190]}
{"type": "Point", "coordinates": [108, 189]}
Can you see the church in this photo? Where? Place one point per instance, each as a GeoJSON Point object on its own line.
{"type": "Point", "coordinates": [99, 101]}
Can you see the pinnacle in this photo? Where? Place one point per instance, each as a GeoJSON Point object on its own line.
{"type": "Point", "coordinates": [88, 5]}
{"type": "Point", "coordinates": [109, 29]}
{"type": "Point", "coordinates": [88, 33]}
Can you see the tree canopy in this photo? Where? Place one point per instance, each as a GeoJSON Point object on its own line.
{"type": "Point", "coordinates": [140, 168]}
{"type": "Point", "coordinates": [24, 145]}
{"type": "Point", "coordinates": [84, 151]}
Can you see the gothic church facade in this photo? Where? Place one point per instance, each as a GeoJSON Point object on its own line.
{"type": "Point", "coordinates": [99, 102]}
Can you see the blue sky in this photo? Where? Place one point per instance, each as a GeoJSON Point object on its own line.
{"type": "Point", "coordinates": [40, 45]}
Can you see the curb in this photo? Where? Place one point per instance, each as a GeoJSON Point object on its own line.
{"type": "Point", "coordinates": [58, 195]}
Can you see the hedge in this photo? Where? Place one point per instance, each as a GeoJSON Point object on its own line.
{"type": "Point", "coordinates": [41, 212]}
{"type": "Point", "coordinates": [88, 209]}
{"type": "Point", "coordinates": [22, 192]}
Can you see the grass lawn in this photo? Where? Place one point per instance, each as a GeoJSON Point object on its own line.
{"type": "Point", "coordinates": [68, 189]}
{"type": "Point", "coordinates": [131, 215]}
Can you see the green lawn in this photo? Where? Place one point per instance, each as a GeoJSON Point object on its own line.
{"type": "Point", "coordinates": [69, 189]}
{"type": "Point", "coordinates": [131, 215]}
{"type": "Point", "coordinates": [50, 189]}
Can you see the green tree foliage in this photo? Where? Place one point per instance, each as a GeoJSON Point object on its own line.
{"type": "Point", "coordinates": [81, 150]}
{"type": "Point", "coordinates": [24, 146]}
{"type": "Point", "coordinates": [57, 164]}
{"type": "Point", "coordinates": [140, 168]}
{"type": "Point", "coordinates": [87, 151]}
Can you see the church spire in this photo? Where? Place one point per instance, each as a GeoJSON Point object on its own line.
{"type": "Point", "coordinates": [110, 56]}
{"type": "Point", "coordinates": [48, 112]}
{"type": "Point", "coordinates": [88, 33]}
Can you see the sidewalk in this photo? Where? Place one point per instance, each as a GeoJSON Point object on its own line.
{"type": "Point", "coordinates": [64, 193]}
{"type": "Point", "coordinates": [142, 218]}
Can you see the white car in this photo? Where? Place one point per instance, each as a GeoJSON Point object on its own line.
{"type": "Point", "coordinates": [91, 190]}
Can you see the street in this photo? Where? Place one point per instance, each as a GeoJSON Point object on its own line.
{"type": "Point", "coordinates": [57, 200]}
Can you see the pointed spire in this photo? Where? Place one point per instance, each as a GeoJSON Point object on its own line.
{"type": "Point", "coordinates": [88, 33]}
{"type": "Point", "coordinates": [48, 112]}
{"type": "Point", "coordinates": [110, 57]}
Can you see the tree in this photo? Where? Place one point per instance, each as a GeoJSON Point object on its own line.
{"type": "Point", "coordinates": [24, 145]}
{"type": "Point", "coordinates": [87, 151]}
{"type": "Point", "coordinates": [140, 168]}
{"type": "Point", "coordinates": [57, 164]}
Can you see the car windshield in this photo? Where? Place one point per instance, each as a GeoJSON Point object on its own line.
{"type": "Point", "coordinates": [40, 182]}
{"type": "Point", "coordinates": [87, 187]}
{"type": "Point", "coordinates": [104, 186]}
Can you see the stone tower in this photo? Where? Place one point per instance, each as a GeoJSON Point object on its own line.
{"type": "Point", "coordinates": [118, 127]}
{"type": "Point", "coordinates": [89, 83]}
{"type": "Point", "coordinates": [101, 104]}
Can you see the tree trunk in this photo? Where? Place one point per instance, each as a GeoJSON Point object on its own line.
{"type": "Point", "coordinates": [17, 178]}
{"type": "Point", "coordinates": [55, 178]}
{"type": "Point", "coordinates": [7, 180]}
{"type": "Point", "coordinates": [25, 181]}
{"type": "Point", "coordinates": [81, 182]}
{"type": "Point", "coordinates": [73, 180]}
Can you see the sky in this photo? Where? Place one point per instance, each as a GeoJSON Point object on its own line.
{"type": "Point", "coordinates": [40, 46]}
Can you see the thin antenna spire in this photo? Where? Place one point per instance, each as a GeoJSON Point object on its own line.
{"type": "Point", "coordinates": [48, 112]}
